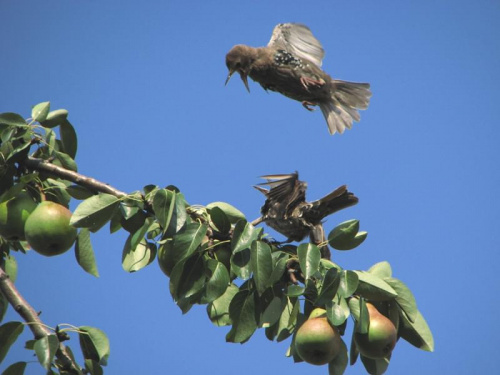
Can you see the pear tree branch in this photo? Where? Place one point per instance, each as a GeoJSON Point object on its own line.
{"type": "Point", "coordinates": [79, 179]}
{"type": "Point", "coordinates": [30, 316]}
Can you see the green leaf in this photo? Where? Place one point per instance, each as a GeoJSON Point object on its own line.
{"type": "Point", "coordinates": [374, 288]}
{"type": "Point", "coordinates": [288, 319]}
{"type": "Point", "coordinates": [243, 236]}
{"type": "Point", "coordinates": [262, 265]}
{"type": "Point", "coordinates": [137, 257]}
{"type": "Point", "coordinates": [68, 138]}
{"type": "Point", "coordinates": [311, 290]}
{"type": "Point", "coordinates": [85, 253]}
{"type": "Point", "coordinates": [56, 191]}
{"type": "Point", "coordinates": [94, 344]}
{"type": "Point", "coordinates": [15, 369]}
{"type": "Point", "coordinates": [10, 267]}
{"type": "Point", "coordinates": [135, 238]}
{"type": "Point", "coordinates": [338, 365]}
{"type": "Point", "coordinates": [217, 281]}
{"type": "Point", "coordinates": [50, 138]}
{"type": "Point", "coordinates": [40, 111]}
{"type": "Point", "coordinates": [188, 277]}
{"type": "Point", "coordinates": [417, 333]}
{"type": "Point", "coordinates": [4, 304]}
{"type": "Point", "coordinates": [280, 259]}
{"type": "Point", "coordinates": [363, 322]}
{"type": "Point", "coordinates": [381, 269]}
{"type": "Point", "coordinates": [241, 264]}
{"type": "Point", "coordinates": [309, 258]}
{"type": "Point", "coordinates": [353, 353]}
{"type": "Point", "coordinates": [170, 210]}
{"type": "Point", "coordinates": [272, 313]}
{"type": "Point", "coordinates": [182, 246]}
{"type": "Point", "coordinates": [345, 236]}
{"type": "Point", "coordinates": [405, 298]}
{"type": "Point", "coordinates": [375, 366]}
{"type": "Point", "coordinates": [163, 206]}
{"type": "Point", "coordinates": [94, 212]}
{"type": "Point", "coordinates": [9, 332]}
{"type": "Point", "coordinates": [93, 367]}
{"type": "Point", "coordinates": [232, 213]}
{"type": "Point", "coordinates": [337, 312]}
{"type": "Point", "coordinates": [294, 290]}
{"type": "Point", "coordinates": [348, 283]}
{"type": "Point", "coordinates": [12, 119]}
{"type": "Point", "coordinates": [66, 161]}
{"type": "Point", "coordinates": [220, 220]}
{"type": "Point", "coordinates": [354, 307]}
{"type": "Point", "coordinates": [45, 349]}
{"type": "Point", "coordinates": [243, 315]}
{"type": "Point", "coordinates": [329, 288]}
{"type": "Point", "coordinates": [79, 192]}
{"type": "Point", "coordinates": [218, 310]}
{"type": "Point", "coordinates": [55, 118]}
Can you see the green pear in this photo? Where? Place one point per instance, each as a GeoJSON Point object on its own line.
{"type": "Point", "coordinates": [381, 337]}
{"type": "Point", "coordinates": [317, 342]}
{"type": "Point", "coordinates": [13, 216]}
{"type": "Point", "coordinates": [48, 231]}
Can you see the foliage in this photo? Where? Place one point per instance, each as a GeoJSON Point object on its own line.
{"type": "Point", "coordinates": [212, 255]}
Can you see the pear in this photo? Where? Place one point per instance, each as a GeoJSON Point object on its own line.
{"type": "Point", "coordinates": [317, 342]}
{"type": "Point", "coordinates": [381, 337]}
{"type": "Point", "coordinates": [48, 231]}
{"type": "Point", "coordinates": [13, 216]}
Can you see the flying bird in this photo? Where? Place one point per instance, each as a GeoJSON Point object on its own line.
{"type": "Point", "coordinates": [291, 65]}
{"type": "Point", "coordinates": [287, 211]}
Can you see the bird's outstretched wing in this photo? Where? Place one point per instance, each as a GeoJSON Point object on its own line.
{"type": "Point", "coordinates": [282, 185]}
{"type": "Point", "coordinates": [286, 192]}
{"type": "Point", "coordinates": [298, 40]}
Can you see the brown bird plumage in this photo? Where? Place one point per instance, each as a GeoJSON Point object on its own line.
{"type": "Point", "coordinates": [291, 64]}
{"type": "Point", "coordinates": [287, 211]}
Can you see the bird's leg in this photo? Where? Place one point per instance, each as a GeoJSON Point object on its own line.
{"type": "Point", "coordinates": [257, 221]}
{"type": "Point", "coordinates": [307, 105]}
{"type": "Point", "coordinates": [306, 82]}
{"type": "Point", "coordinates": [317, 237]}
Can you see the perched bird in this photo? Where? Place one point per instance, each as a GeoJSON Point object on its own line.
{"type": "Point", "coordinates": [291, 65]}
{"type": "Point", "coordinates": [287, 211]}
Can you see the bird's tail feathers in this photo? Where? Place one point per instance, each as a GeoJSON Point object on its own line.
{"type": "Point", "coordinates": [337, 200]}
{"type": "Point", "coordinates": [347, 98]}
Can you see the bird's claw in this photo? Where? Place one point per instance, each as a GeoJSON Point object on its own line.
{"type": "Point", "coordinates": [307, 105]}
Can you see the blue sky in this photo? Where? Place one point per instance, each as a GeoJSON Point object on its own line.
{"type": "Point", "coordinates": [144, 86]}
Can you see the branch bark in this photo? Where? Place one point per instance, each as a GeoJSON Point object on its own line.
{"type": "Point", "coordinates": [30, 316]}
{"type": "Point", "coordinates": [79, 179]}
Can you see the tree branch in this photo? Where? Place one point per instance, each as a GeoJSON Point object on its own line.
{"type": "Point", "coordinates": [79, 179]}
{"type": "Point", "coordinates": [30, 316]}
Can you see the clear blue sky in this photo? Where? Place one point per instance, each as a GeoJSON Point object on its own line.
{"type": "Point", "coordinates": [144, 86]}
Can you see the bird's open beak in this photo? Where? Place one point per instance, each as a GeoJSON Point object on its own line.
{"type": "Point", "coordinates": [229, 77]}
{"type": "Point", "coordinates": [243, 78]}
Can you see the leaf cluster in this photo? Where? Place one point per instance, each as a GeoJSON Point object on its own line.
{"type": "Point", "coordinates": [211, 254]}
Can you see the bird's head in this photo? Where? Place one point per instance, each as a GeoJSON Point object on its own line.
{"type": "Point", "coordinates": [239, 59]}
